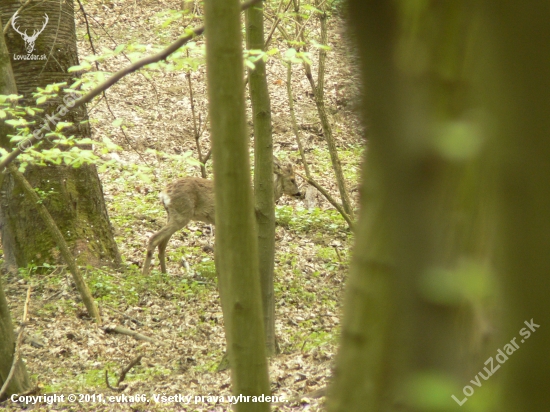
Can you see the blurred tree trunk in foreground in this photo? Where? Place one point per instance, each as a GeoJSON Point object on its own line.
{"type": "Point", "coordinates": [420, 237]}
{"type": "Point", "coordinates": [457, 96]}
{"type": "Point", "coordinates": [516, 87]}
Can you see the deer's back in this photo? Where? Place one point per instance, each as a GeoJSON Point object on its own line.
{"type": "Point", "coordinates": [190, 198]}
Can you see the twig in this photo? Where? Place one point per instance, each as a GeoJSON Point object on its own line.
{"type": "Point", "coordinates": [208, 155]}
{"type": "Point", "coordinates": [108, 384]}
{"type": "Point", "coordinates": [90, 39]}
{"type": "Point", "coordinates": [276, 22]}
{"type": "Point", "coordinates": [329, 198]}
{"type": "Point", "coordinates": [308, 178]}
{"type": "Point", "coordinates": [147, 79]}
{"type": "Point", "coordinates": [128, 332]}
{"type": "Point", "coordinates": [163, 55]}
{"type": "Point", "coordinates": [11, 18]}
{"type": "Point", "coordinates": [319, 102]}
{"type": "Point", "coordinates": [123, 314]}
{"type": "Point", "coordinates": [57, 236]}
{"type": "Point", "coordinates": [196, 131]}
{"type": "Point", "coordinates": [123, 373]}
{"type": "Point", "coordinates": [133, 363]}
{"type": "Point", "coordinates": [88, 31]}
{"type": "Point", "coordinates": [18, 342]}
{"type": "Point", "coordinates": [338, 253]}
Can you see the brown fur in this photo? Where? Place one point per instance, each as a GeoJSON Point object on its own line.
{"type": "Point", "coordinates": [192, 198]}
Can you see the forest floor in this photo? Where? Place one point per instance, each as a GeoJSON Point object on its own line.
{"type": "Point", "coordinates": [66, 353]}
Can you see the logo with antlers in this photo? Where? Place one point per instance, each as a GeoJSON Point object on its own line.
{"type": "Point", "coordinates": [29, 40]}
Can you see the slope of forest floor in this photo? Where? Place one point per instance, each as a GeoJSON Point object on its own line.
{"type": "Point", "coordinates": [180, 311]}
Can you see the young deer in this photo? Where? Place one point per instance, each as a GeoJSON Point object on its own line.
{"type": "Point", "coordinates": [192, 198]}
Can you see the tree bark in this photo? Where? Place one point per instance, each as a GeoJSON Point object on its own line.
{"type": "Point", "coordinates": [20, 381]}
{"type": "Point", "coordinates": [408, 282]}
{"type": "Point", "coordinates": [318, 93]}
{"type": "Point", "coordinates": [74, 196]}
{"type": "Point", "coordinates": [236, 242]}
{"type": "Point", "coordinates": [516, 89]}
{"type": "Point", "coordinates": [54, 232]}
{"type": "Point", "coordinates": [263, 173]}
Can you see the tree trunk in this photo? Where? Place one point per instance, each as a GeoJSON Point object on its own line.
{"type": "Point", "coordinates": [420, 233]}
{"type": "Point", "coordinates": [20, 381]}
{"type": "Point", "coordinates": [263, 172]}
{"type": "Point", "coordinates": [74, 197]}
{"type": "Point", "coordinates": [236, 242]}
{"type": "Point", "coordinates": [318, 93]}
{"type": "Point", "coordinates": [516, 88]}
{"type": "Point", "coordinates": [54, 232]}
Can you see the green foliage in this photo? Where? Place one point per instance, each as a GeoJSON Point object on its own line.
{"type": "Point", "coordinates": [300, 219]}
{"type": "Point", "coordinates": [93, 378]}
{"type": "Point", "coordinates": [349, 157]}
{"type": "Point", "coordinates": [61, 149]}
{"type": "Point", "coordinates": [14, 114]}
{"type": "Point", "coordinates": [206, 268]}
{"type": "Point", "coordinates": [311, 335]}
{"type": "Point", "coordinates": [188, 58]}
{"type": "Point", "coordinates": [42, 194]}
{"type": "Point", "coordinates": [252, 56]}
{"type": "Point", "coordinates": [51, 91]}
{"type": "Point", "coordinates": [135, 210]}
{"type": "Point", "coordinates": [170, 16]}
{"type": "Point", "coordinates": [292, 56]}
{"type": "Point", "coordinates": [315, 340]}
{"type": "Point", "coordinates": [26, 273]}
{"type": "Point", "coordinates": [30, 272]}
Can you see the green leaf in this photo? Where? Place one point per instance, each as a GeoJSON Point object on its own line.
{"type": "Point", "coordinates": [320, 46]}
{"type": "Point", "coordinates": [308, 7]}
{"type": "Point", "coordinates": [82, 66]}
{"type": "Point", "coordinates": [110, 145]}
{"type": "Point", "coordinates": [76, 84]}
{"type": "Point", "coordinates": [61, 125]}
{"type": "Point", "coordinates": [13, 122]}
{"type": "Point", "coordinates": [87, 140]}
{"type": "Point", "coordinates": [290, 54]}
{"type": "Point", "coordinates": [117, 122]}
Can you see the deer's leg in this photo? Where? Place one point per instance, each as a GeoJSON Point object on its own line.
{"type": "Point", "coordinates": [148, 257]}
{"type": "Point", "coordinates": [161, 237]}
{"type": "Point", "coordinates": [162, 254]}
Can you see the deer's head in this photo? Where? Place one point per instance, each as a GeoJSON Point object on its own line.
{"type": "Point", "coordinates": [285, 181]}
